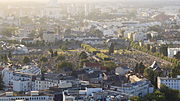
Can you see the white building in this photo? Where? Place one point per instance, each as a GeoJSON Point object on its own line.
{"type": "Point", "coordinates": [7, 75]}
{"type": "Point", "coordinates": [20, 79]}
{"type": "Point", "coordinates": [23, 33]}
{"type": "Point", "coordinates": [51, 36]}
{"type": "Point", "coordinates": [108, 32]}
{"type": "Point", "coordinates": [46, 81]}
{"type": "Point", "coordinates": [90, 91]}
{"type": "Point", "coordinates": [20, 49]}
{"type": "Point", "coordinates": [139, 36]}
{"type": "Point", "coordinates": [94, 41]}
{"type": "Point", "coordinates": [33, 96]}
{"type": "Point", "coordinates": [71, 95]}
{"type": "Point", "coordinates": [140, 88]}
{"type": "Point", "coordinates": [173, 83]}
{"type": "Point", "coordinates": [32, 69]}
{"type": "Point", "coordinates": [173, 51]}
{"type": "Point", "coordinates": [121, 70]}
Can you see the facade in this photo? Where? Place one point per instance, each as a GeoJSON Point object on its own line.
{"type": "Point", "coordinates": [173, 83]}
{"type": "Point", "coordinates": [7, 75]}
{"type": "Point", "coordinates": [20, 49]}
{"type": "Point", "coordinates": [50, 36]}
{"type": "Point", "coordinates": [80, 94]}
{"type": "Point", "coordinates": [172, 52]}
{"type": "Point", "coordinates": [139, 36]}
{"type": "Point", "coordinates": [94, 41]}
{"type": "Point", "coordinates": [108, 32]}
{"type": "Point", "coordinates": [33, 96]}
{"type": "Point", "coordinates": [41, 85]}
{"type": "Point", "coordinates": [46, 81]}
{"type": "Point", "coordinates": [140, 88]}
{"type": "Point", "coordinates": [20, 79]}
{"type": "Point", "coordinates": [118, 43]}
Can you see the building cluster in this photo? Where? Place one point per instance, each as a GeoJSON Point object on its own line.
{"type": "Point", "coordinates": [90, 83]}
{"type": "Point", "coordinates": [52, 36]}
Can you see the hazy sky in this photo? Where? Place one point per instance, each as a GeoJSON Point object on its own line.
{"type": "Point", "coordinates": [81, 0]}
{"type": "Point", "coordinates": [58, 0]}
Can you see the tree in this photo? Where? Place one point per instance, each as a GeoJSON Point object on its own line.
{"type": "Point", "coordinates": [135, 98]}
{"type": "Point", "coordinates": [26, 60]}
{"type": "Point", "coordinates": [164, 50]}
{"type": "Point", "coordinates": [111, 49]}
{"type": "Point", "coordinates": [64, 48]}
{"type": "Point", "coordinates": [177, 56]}
{"type": "Point", "coordinates": [5, 58]}
{"type": "Point", "coordinates": [110, 65]}
{"type": "Point", "coordinates": [61, 58]}
{"type": "Point", "coordinates": [149, 74]}
{"type": "Point", "coordinates": [139, 68]}
{"type": "Point", "coordinates": [55, 53]}
{"type": "Point", "coordinates": [83, 55]}
{"type": "Point", "coordinates": [51, 52]}
{"type": "Point", "coordinates": [156, 96]}
{"type": "Point", "coordinates": [65, 66]}
{"type": "Point", "coordinates": [8, 31]}
{"type": "Point", "coordinates": [44, 59]}
{"type": "Point", "coordinates": [10, 55]}
{"type": "Point", "coordinates": [170, 94]}
{"type": "Point", "coordinates": [175, 71]}
{"type": "Point", "coordinates": [1, 83]}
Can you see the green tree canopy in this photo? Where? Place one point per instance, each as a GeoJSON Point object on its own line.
{"type": "Point", "coordinates": [61, 58]}
{"type": "Point", "coordinates": [156, 96]}
{"type": "Point", "coordinates": [111, 49]}
{"type": "Point", "coordinates": [44, 59]}
{"type": "Point", "coordinates": [135, 98]}
{"type": "Point", "coordinates": [83, 55]}
{"type": "Point", "coordinates": [26, 60]}
{"type": "Point", "coordinates": [175, 71]}
{"type": "Point", "coordinates": [170, 94]}
{"type": "Point", "coordinates": [65, 66]}
{"type": "Point", "coordinates": [1, 83]}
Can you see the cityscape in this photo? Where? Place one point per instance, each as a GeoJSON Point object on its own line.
{"type": "Point", "coordinates": [90, 50]}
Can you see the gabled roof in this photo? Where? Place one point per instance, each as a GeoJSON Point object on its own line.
{"type": "Point", "coordinates": [89, 64]}
{"type": "Point", "coordinates": [155, 66]}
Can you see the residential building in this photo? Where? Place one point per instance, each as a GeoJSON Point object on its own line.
{"type": "Point", "coordinates": [45, 81]}
{"type": "Point", "coordinates": [23, 81]}
{"type": "Point", "coordinates": [94, 41]}
{"type": "Point", "coordinates": [80, 94]}
{"type": "Point", "coordinates": [140, 88]}
{"type": "Point", "coordinates": [20, 79]}
{"type": "Point", "coordinates": [32, 96]}
{"type": "Point", "coordinates": [173, 51]}
{"type": "Point", "coordinates": [173, 83]}
{"type": "Point", "coordinates": [50, 36]}
{"type": "Point", "coordinates": [139, 36]}
{"type": "Point", "coordinates": [20, 49]}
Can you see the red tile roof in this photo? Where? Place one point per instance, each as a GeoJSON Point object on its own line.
{"type": "Point", "coordinates": [94, 65]}
{"type": "Point", "coordinates": [1, 68]}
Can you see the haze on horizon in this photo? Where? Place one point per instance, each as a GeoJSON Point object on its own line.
{"type": "Point", "coordinates": [87, 0]}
